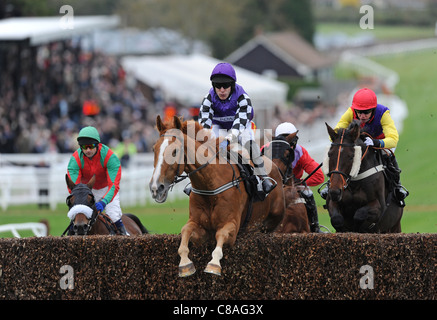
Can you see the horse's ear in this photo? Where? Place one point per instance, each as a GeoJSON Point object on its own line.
{"type": "Point", "coordinates": [331, 132]}
{"type": "Point", "coordinates": [91, 182]}
{"type": "Point", "coordinates": [291, 138]}
{"type": "Point", "coordinates": [177, 122]}
{"type": "Point", "coordinates": [70, 183]}
{"type": "Point", "coordinates": [159, 124]}
{"type": "Point", "coordinates": [355, 131]}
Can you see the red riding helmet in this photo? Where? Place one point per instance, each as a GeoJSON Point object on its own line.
{"type": "Point", "coordinates": [364, 99]}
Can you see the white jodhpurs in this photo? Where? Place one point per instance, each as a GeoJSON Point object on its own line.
{"type": "Point", "coordinates": [112, 209]}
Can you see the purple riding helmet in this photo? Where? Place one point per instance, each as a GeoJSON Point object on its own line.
{"type": "Point", "coordinates": [223, 72]}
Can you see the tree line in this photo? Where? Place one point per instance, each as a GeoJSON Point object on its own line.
{"type": "Point", "coordinates": [224, 25]}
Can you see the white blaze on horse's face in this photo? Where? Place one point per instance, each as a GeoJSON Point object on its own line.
{"type": "Point", "coordinates": [157, 171]}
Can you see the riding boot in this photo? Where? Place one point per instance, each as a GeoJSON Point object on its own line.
{"type": "Point", "coordinates": [310, 204]}
{"type": "Point", "coordinates": [268, 184]}
{"type": "Point", "coordinates": [400, 191]}
{"type": "Point", "coordinates": [120, 227]}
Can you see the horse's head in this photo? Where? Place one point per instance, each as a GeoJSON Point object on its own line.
{"type": "Point", "coordinates": [282, 154]}
{"type": "Point", "coordinates": [168, 157]}
{"type": "Point", "coordinates": [343, 160]}
{"type": "Point", "coordinates": [81, 207]}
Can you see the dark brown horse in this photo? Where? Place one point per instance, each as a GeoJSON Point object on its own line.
{"type": "Point", "coordinates": [358, 198]}
{"type": "Point", "coordinates": [85, 220]}
{"type": "Point", "coordinates": [295, 217]}
{"type": "Point", "coordinates": [219, 203]}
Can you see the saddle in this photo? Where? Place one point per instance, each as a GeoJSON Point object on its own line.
{"type": "Point", "coordinates": [251, 181]}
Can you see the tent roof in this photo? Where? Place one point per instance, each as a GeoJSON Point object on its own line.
{"type": "Point", "coordinates": [186, 78]}
{"type": "Point", "coordinates": [39, 30]}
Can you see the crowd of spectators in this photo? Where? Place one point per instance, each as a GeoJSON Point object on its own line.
{"type": "Point", "coordinates": [49, 93]}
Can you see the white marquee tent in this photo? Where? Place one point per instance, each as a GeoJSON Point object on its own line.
{"type": "Point", "coordinates": [40, 30]}
{"type": "Point", "coordinates": [186, 78]}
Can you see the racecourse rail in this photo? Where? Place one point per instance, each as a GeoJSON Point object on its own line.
{"type": "Point", "coordinates": [40, 178]}
{"type": "Point", "coordinates": [259, 266]}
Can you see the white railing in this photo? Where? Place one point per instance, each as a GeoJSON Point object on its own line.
{"type": "Point", "coordinates": [39, 229]}
{"type": "Point", "coordinates": [23, 180]}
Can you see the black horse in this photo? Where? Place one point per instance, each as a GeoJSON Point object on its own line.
{"type": "Point", "coordinates": [86, 220]}
{"type": "Point", "coordinates": [359, 199]}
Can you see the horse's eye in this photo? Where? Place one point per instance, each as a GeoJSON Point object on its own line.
{"type": "Point", "coordinates": [174, 153]}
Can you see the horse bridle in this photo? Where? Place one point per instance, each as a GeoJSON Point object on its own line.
{"type": "Point", "coordinates": [94, 216]}
{"type": "Point", "coordinates": [278, 152]}
{"type": "Point", "coordinates": [346, 178]}
{"type": "Point", "coordinates": [179, 177]}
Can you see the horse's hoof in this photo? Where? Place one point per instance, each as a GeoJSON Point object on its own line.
{"type": "Point", "coordinates": [214, 269]}
{"type": "Point", "coordinates": [187, 270]}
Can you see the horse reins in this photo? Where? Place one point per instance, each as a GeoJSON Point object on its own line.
{"type": "Point", "coordinates": [344, 176]}
{"type": "Point", "coordinates": [179, 177]}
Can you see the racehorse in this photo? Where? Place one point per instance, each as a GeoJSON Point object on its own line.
{"type": "Point", "coordinates": [358, 198]}
{"type": "Point", "coordinates": [295, 217]}
{"type": "Point", "coordinates": [219, 205]}
{"type": "Point", "coordinates": [85, 220]}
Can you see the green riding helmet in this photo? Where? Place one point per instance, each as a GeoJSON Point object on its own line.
{"type": "Point", "coordinates": [88, 135]}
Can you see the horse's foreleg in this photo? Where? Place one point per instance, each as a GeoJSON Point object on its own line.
{"type": "Point", "coordinates": [226, 235]}
{"type": "Point", "coordinates": [337, 219]}
{"type": "Point", "coordinates": [186, 266]}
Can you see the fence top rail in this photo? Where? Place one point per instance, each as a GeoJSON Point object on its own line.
{"type": "Point", "coordinates": [39, 229]}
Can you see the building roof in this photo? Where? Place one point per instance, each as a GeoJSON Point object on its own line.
{"type": "Point", "coordinates": [39, 30]}
{"type": "Point", "coordinates": [186, 78]}
{"type": "Point", "coordinates": [288, 46]}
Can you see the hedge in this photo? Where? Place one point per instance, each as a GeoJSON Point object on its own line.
{"type": "Point", "coordinates": [259, 266]}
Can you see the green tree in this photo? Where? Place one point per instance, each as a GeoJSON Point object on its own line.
{"type": "Point", "coordinates": [224, 25]}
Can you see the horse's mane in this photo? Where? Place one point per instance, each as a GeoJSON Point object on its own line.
{"type": "Point", "coordinates": [197, 126]}
{"type": "Point", "coordinates": [170, 124]}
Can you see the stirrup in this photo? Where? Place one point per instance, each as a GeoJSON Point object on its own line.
{"type": "Point", "coordinates": [323, 192]}
{"type": "Point", "coordinates": [268, 184]}
{"type": "Point", "coordinates": [187, 189]}
{"type": "Point", "coordinates": [324, 227]}
{"type": "Point", "coordinates": [401, 193]}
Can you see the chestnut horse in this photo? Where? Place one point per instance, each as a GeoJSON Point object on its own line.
{"type": "Point", "coordinates": [295, 217]}
{"type": "Point", "coordinates": [85, 220]}
{"type": "Point", "coordinates": [218, 204]}
{"type": "Point", "coordinates": [357, 198]}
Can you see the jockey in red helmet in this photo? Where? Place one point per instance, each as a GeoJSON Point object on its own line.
{"type": "Point", "coordinates": [375, 119]}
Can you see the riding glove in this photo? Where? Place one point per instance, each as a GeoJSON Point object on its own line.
{"type": "Point", "coordinates": [372, 142]}
{"type": "Point", "coordinates": [100, 206]}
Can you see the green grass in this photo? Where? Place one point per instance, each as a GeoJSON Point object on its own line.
{"type": "Point", "coordinates": [168, 218]}
{"type": "Point", "coordinates": [416, 151]}
{"type": "Point", "coordinates": [157, 218]}
{"type": "Point", "coordinates": [380, 32]}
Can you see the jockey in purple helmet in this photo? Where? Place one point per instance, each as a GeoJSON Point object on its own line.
{"type": "Point", "coordinates": [228, 111]}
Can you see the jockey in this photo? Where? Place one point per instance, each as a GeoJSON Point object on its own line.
{"type": "Point", "coordinates": [304, 162]}
{"type": "Point", "coordinates": [375, 119]}
{"type": "Point", "coordinates": [227, 106]}
{"type": "Point", "coordinates": [94, 158]}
